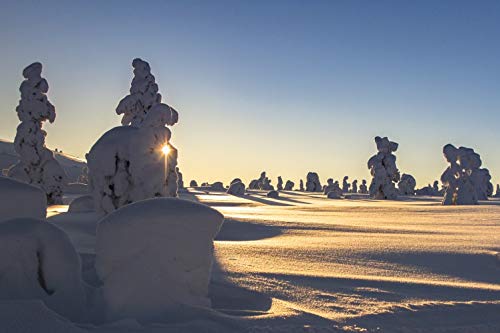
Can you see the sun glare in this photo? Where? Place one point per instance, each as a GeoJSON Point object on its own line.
{"type": "Point", "coordinates": [165, 149]}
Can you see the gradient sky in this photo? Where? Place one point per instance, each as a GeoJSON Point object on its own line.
{"type": "Point", "coordinates": [282, 86]}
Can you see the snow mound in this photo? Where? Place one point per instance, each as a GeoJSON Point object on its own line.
{"type": "Point", "coordinates": [236, 188]}
{"type": "Point", "coordinates": [273, 194]}
{"type": "Point", "coordinates": [156, 255]}
{"type": "Point", "coordinates": [83, 204]}
{"type": "Point", "coordinates": [217, 187]}
{"type": "Point", "coordinates": [13, 192]}
{"type": "Point", "coordinates": [38, 261]}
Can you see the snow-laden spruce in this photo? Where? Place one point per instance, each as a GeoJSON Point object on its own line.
{"type": "Point", "coordinates": [383, 170]}
{"type": "Point", "coordinates": [180, 180]}
{"type": "Point", "coordinates": [464, 180]}
{"type": "Point", "coordinates": [37, 164]}
{"type": "Point", "coordinates": [345, 184]}
{"type": "Point", "coordinates": [363, 188]}
{"type": "Point", "coordinates": [279, 185]}
{"type": "Point", "coordinates": [38, 261]}
{"type": "Point", "coordinates": [263, 183]}
{"type": "Point", "coordinates": [135, 161]}
{"type": "Point", "coordinates": [155, 255]}
{"type": "Point", "coordinates": [289, 185]}
{"type": "Point", "coordinates": [354, 188]}
{"type": "Point", "coordinates": [18, 199]}
{"type": "Point", "coordinates": [332, 189]}
{"type": "Point", "coordinates": [406, 185]}
{"type": "Point", "coordinates": [312, 182]}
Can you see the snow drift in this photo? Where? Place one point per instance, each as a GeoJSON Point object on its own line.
{"type": "Point", "coordinates": [156, 255]}
{"type": "Point", "coordinates": [38, 261]}
{"type": "Point", "coordinates": [18, 199]}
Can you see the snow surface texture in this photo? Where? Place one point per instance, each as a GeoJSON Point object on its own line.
{"type": "Point", "coordinates": [38, 261]}
{"type": "Point", "coordinates": [406, 185]}
{"type": "Point", "coordinates": [155, 255]}
{"type": "Point", "coordinates": [18, 199]}
{"type": "Point", "coordinates": [37, 164]}
{"type": "Point", "coordinates": [83, 204]}
{"type": "Point", "coordinates": [128, 163]}
{"type": "Point", "coordinates": [289, 265]}
{"type": "Point", "coordinates": [465, 181]}
{"type": "Point", "coordinates": [312, 182]}
{"type": "Point", "coordinates": [383, 170]}
{"type": "Point", "coordinates": [236, 188]}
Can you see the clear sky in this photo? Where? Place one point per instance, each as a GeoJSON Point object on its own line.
{"type": "Point", "coordinates": [282, 86]}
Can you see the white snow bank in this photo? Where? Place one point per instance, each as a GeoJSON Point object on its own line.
{"type": "Point", "coordinates": [155, 255]}
{"type": "Point", "coordinates": [18, 199]}
{"type": "Point", "coordinates": [28, 316]}
{"type": "Point", "coordinates": [38, 261]}
{"type": "Point", "coordinates": [83, 204]}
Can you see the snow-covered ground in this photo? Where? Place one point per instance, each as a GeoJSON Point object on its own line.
{"type": "Point", "coordinates": [304, 263]}
{"type": "Point", "coordinates": [73, 166]}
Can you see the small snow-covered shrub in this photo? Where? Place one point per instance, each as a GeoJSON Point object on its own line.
{"type": "Point", "coordinates": [313, 184]}
{"type": "Point", "coordinates": [217, 187]}
{"type": "Point", "coordinates": [38, 261]}
{"type": "Point", "coordinates": [154, 255]}
{"type": "Point", "coordinates": [273, 194]}
{"type": "Point", "coordinates": [18, 199]}
{"type": "Point", "coordinates": [236, 188]}
{"type": "Point", "coordinates": [83, 204]}
{"type": "Point", "coordinates": [333, 195]}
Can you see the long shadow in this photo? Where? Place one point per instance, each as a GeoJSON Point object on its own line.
{"type": "Point", "coordinates": [472, 267]}
{"type": "Point", "coordinates": [293, 200]}
{"type": "Point", "coordinates": [232, 299]}
{"type": "Point", "coordinates": [387, 290]}
{"type": "Point", "coordinates": [233, 230]}
{"type": "Point", "coordinates": [264, 201]}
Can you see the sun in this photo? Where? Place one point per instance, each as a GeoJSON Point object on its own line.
{"type": "Point", "coordinates": [165, 149]}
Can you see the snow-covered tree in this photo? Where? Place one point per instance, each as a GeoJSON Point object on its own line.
{"type": "Point", "coordinates": [383, 170]}
{"type": "Point", "coordinates": [37, 164]}
{"type": "Point", "coordinates": [135, 161]}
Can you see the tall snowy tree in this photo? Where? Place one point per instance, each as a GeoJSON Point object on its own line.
{"type": "Point", "coordinates": [37, 164]}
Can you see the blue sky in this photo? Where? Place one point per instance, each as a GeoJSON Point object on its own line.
{"type": "Point", "coordinates": [282, 86]}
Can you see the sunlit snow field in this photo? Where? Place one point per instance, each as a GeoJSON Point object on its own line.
{"type": "Point", "coordinates": [306, 263]}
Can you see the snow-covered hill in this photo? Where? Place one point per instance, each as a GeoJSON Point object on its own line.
{"type": "Point", "coordinates": [72, 165]}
